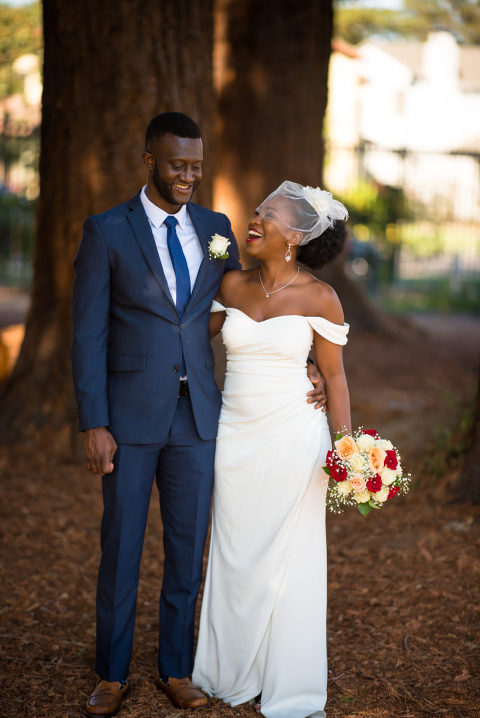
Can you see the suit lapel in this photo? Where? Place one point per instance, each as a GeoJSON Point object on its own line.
{"type": "Point", "coordinates": [143, 234]}
{"type": "Point", "coordinates": [204, 238]}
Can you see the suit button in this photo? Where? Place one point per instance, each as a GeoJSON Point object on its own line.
{"type": "Point", "coordinates": [176, 368]}
{"type": "Point", "coordinates": [182, 326]}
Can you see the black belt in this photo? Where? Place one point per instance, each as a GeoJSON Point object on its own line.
{"type": "Point", "coordinates": [183, 389]}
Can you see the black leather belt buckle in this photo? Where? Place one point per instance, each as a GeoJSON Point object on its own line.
{"type": "Point", "coordinates": [183, 389]}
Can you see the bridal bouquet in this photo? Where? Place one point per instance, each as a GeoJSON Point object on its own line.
{"type": "Point", "coordinates": [366, 472]}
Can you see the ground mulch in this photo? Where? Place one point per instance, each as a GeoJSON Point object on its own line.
{"type": "Point", "coordinates": [404, 609]}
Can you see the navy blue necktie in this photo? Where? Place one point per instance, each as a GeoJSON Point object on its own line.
{"type": "Point", "coordinates": [180, 267]}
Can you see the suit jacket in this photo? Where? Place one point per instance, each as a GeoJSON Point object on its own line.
{"type": "Point", "coordinates": [127, 334]}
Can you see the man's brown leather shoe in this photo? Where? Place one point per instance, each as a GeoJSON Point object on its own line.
{"type": "Point", "coordinates": [105, 699]}
{"type": "Point", "coordinates": [182, 693]}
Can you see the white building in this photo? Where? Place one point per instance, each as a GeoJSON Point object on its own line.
{"type": "Point", "coordinates": [414, 110]}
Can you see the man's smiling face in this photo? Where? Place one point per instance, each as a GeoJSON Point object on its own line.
{"type": "Point", "coordinates": [175, 170]}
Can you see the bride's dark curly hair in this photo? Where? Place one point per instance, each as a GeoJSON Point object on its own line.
{"type": "Point", "coordinates": [325, 248]}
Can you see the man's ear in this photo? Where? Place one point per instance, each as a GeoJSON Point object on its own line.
{"type": "Point", "coordinates": [149, 161]}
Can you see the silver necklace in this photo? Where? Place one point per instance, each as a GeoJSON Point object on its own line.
{"type": "Point", "coordinates": [267, 294]}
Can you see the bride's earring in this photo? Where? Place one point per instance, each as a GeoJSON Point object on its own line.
{"type": "Point", "coordinates": [288, 254]}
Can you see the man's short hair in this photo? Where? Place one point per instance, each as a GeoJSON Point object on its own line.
{"type": "Point", "coordinates": [174, 123]}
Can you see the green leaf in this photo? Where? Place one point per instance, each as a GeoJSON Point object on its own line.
{"type": "Point", "coordinates": [373, 505]}
{"type": "Point", "coordinates": [327, 470]}
{"type": "Point", "coordinates": [364, 509]}
{"type": "Point", "coordinates": [338, 436]}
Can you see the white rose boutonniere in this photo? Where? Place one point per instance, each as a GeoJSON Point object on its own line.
{"type": "Point", "coordinates": [217, 247]}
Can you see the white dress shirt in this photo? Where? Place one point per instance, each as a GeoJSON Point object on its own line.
{"type": "Point", "coordinates": [186, 234]}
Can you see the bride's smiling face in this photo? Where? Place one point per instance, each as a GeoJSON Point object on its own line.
{"type": "Point", "coordinates": [268, 230]}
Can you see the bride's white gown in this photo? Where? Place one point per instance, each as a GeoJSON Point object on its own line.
{"type": "Point", "coordinates": [262, 626]}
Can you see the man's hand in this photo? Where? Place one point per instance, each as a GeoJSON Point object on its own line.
{"type": "Point", "coordinates": [100, 448]}
{"type": "Point", "coordinates": [317, 394]}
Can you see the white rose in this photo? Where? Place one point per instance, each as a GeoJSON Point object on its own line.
{"type": "Point", "coordinates": [357, 463]}
{"type": "Point", "coordinates": [344, 487]}
{"type": "Point", "coordinates": [381, 495]}
{"type": "Point", "coordinates": [365, 442]}
{"type": "Point", "coordinates": [362, 497]}
{"type": "Point", "coordinates": [388, 476]}
{"type": "Point", "coordinates": [218, 245]}
{"type": "Point", "coordinates": [384, 444]}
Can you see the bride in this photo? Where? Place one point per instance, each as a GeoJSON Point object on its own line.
{"type": "Point", "coordinates": [262, 626]}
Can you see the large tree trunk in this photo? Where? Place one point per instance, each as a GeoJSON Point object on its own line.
{"type": "Point", "coordinates": [271, 64]}
{"type": "Point", "coordinates": [109, 67]}
{"type": "Point", "coordinates": [271, 75]}
{"type": "Point", "coordinates": [468, 486]}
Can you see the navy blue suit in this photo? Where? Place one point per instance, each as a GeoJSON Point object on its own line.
{"type": "Point", "coordinates": [128, 340]}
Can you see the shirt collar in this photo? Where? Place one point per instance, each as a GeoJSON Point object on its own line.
{"type": "Point", "coordinates": [157, 215]}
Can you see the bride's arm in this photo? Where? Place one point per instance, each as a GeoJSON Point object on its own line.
{"type": "Point", "coordinates": [217, 317]}
{"type": "Point", "coordinates": [330, 362]}
{"type": "Point", "coordinates": [329, 359]}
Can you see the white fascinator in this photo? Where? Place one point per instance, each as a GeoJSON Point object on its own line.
{"type": "Point", "coordinates": [309, 210]}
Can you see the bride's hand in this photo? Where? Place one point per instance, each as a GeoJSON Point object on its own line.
{"type": "Point", "coordinates": [317, 395]}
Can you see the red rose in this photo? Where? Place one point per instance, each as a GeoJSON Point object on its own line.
{"type": "Point", "coordinates": [338, 473]}
{"type": "Point", "coordinates": [374, 483]}
{"type": "Point", "coordinates": [331, 458]}
{"type": "Point", "coordinates": [393, 491]}
{"type": "Point", "coordinates": [372, 432]}
{"type": "Point", "coordinates": [391, 459]}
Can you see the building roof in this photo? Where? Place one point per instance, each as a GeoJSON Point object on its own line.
{"type": "Point", "coordinates": [409, 53]}
{"type": "Point", "coordinates": [344, 48]}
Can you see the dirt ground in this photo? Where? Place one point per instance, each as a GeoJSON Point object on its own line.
{"type": "Point", "coordinates": [404, 610]}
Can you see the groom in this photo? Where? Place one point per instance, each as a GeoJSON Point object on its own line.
{"type": "Point", "coordinates": [143, 370]}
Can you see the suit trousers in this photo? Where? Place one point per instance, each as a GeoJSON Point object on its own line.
{"type": "Point", "coordinates": [183, 467]}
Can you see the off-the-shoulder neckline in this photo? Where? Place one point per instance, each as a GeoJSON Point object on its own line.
{"type": "Point", "coordinates": [283, 316]}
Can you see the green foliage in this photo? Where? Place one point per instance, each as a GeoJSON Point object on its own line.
{"type": "Point", "coordinates": [355, 24]}
{"type": "Point", "coordinates": [17, 228]}
{"type": "Point", "coordinates": [364, 509]}
{"type": "Point", "coordinates": [20, 33]}
{"type": "Point", "coordinates": [413, 21]}
{"type": "Point", "coordinates": [377, 207]}
{"type": "Point", "coordinates": [431, 295]}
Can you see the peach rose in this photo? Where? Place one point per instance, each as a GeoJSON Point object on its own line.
{"type": "Point", "coordinates": [346, 448]}
{"type": "Point", "coordinates": [358, 483]}
{"type": "Point", "coordinates": [376, 459]}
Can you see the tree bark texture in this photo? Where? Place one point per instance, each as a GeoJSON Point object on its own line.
{"type": "Point", "coordinates": [109, 68]}
{"type": "Point", "coordinates": [271, 76]}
